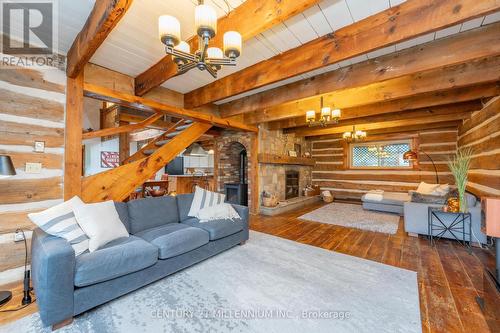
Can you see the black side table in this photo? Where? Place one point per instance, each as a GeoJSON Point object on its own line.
{"type": "Point", "coordinates": [456, 227]}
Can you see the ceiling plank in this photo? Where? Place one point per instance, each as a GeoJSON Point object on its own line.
{"type": "Point", "coordinates": [249, 19]}
{"type": "Point", "coordinates": [353, 119]}
{"type": "Point", "coordinates": [139, 103]}
{"type": "Point", "coordinates": [461, 48]}
{"type": "Point", "coordinates": [380, 125]}
{"type": "Point", "coordinates": [104, 17]}
{"type": "Point", "coordinates": [289, 117]}
{"type": "Point", "coordinates": [408, 20]}
{"type": "Point", "coordinates": [481, 71]}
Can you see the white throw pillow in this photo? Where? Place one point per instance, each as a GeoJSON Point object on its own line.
{"type": "Point", "coordinates": [203, 198]}
{"type": "Point", "coordinates": [222, 211]}
{"type": "Point", "coordinates": [425, 188]}
{"type": "Point", "coordinates": [441, 190]}
{"type": "Point", "coordinates": [101, 223]}
{"type": "Point", "coordinates": [60, 221]}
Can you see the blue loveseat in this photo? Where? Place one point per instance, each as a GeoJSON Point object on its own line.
{"type": "Point", "coordinates": [163, 240]}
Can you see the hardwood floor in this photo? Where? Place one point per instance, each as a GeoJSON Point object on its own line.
{"type": "Point", "coordinates": [449, 277]}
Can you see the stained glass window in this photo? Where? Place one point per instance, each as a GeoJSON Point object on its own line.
{"type": "Point", "coordinates": [379, 155]}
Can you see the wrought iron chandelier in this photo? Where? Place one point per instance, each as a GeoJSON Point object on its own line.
{"type": "Point", "coordinates": [327, 116]}
{"type": "Point", "coordinates": [206, 58]}
{"type": "Point", "coordinates": [354, 136]}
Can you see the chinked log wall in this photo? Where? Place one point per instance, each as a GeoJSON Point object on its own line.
{"type": "Point", "coordinates": [31, 109]}
{"type": "Point", "coordinates": [482, 134]}
{"type": "Point", "coordinates": [331, 173]}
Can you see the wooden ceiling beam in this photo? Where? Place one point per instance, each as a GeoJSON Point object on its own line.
{"type": "Point", "coordinates": [104, 17]}
{"type": "Point", "coordinates": [408, 20]}
{"type": "Point", "coordinates": [305, 132]}
{"type": "Point", "coordinates": [143, 104]}
{"type": "Point", "coordinates": [479, 72]}
{"type": "Point", "coordinates": [290, 117]}
{"type": "Point", "coordinates": [347, 119]}
{"type": "Point", "coordinates": [250, 19]}
{"type": "Point", "coordinates": [461, 48]}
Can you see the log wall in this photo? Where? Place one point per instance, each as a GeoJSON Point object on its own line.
{"type": "Point", "coordinates": [482, 134]}
{"type": "Point", "coordinates": [332, 172]}
{"type": "Point", "coordinates": [31, 109]}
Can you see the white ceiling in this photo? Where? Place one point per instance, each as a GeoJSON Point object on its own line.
{"type": "Point", "coordinates": [133, 46]}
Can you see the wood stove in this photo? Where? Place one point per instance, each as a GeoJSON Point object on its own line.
{"type": "Point", "coordinates": [237, 193]}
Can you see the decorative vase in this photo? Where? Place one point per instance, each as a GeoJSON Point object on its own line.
{"type": "Point", "coordinates": [453, 205]}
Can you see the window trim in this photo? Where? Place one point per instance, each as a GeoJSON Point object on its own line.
{"type": "Point", "coordinates": [350, 146]}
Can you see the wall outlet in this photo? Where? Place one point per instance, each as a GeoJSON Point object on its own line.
{"type": "Point", "coordinates": [18, 237]}
{"type": "Point", "coordinates": [33, 167]}
{"type": "Point", "coordinates": [39, 146]}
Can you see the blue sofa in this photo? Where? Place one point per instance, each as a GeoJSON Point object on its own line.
{"type": "Point", "coordinates": [163, 240]}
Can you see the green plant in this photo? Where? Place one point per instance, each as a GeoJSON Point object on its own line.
{"type": "Point", "coordinates": [459, 167]}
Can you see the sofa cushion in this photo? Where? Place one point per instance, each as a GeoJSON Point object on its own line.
{"type": "Point", "coordinates": [184, 202]}
{"type": "Point", "coordinates": [122, 209]}
{"type": "Point", "coordinates": [152, 212]}
{"type": "Point", "coordinates": [174, 239]}
{"type": "Point", "coordinates": [217, 229]}
{"type": "Point", "coordinates": [117, 258]}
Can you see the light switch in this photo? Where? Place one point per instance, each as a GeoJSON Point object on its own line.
{"type": "Point", "coordinates": [39, 146]}
{"type": "Point", "coordinates": [33, 167]}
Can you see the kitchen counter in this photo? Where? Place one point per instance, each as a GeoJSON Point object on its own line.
{"type": "Point", "coordinates": [182, 184]}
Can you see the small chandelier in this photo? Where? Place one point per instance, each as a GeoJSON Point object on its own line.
{"type": "Point", "coordinates": [354, 136]}
{"type": "Point", "coordinates": [327, 117]}
{"type": "Point", "coordinates": [206, 58]}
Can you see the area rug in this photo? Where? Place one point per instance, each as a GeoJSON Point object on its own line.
{"type": "Point", "coordinates": [354, 216]}
{"type": "Point", "coordinates": [268, 285]}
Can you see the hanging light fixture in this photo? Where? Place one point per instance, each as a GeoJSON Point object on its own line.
{"type": "Point", "coordinates": [355, 135]}
{"type": "Point", "coordinates": [327, 116]}
{"type": "Point", "coordinates": [206, 58]}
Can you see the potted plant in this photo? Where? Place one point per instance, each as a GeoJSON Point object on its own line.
{"type": "Point", "coordinates": [459, 167]}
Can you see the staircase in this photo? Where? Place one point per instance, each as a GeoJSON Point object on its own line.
{"type": "Point", "coordinates": [159, 141]}
{"type": "Point", "coordinates": [118, 183]}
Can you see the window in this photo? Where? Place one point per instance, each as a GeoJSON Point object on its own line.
{"type": "Point", "coordinates": [375, 155]}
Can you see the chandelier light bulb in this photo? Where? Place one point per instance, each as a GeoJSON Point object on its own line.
{"type": "Point", "coordinates": [183, 46]}
{"type": "Point", "coordinates": [310, 116]}
{"type": "Point", "coordinates": [232, 44]}
{"type": "Point", "coordinates": [169, 29]}
{"type": "Point", "coordinates": [205, 19]}
{"type": "Point", "coordinates": [214, 53]}
{"type": "Point", "coordinates": [347, 135]}
{"type": "Point", "coordinates": [336, 113]}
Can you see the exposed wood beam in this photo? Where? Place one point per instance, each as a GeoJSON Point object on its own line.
{"type": "Point", "coordinates": [249, 19]}
{"type": "Point", "coordinates": [118, 183]}
{"type": "Point", "coordinates": [147, 105]}
{"type": "Point", "coordinates": [289, 117]}
{"type": "Point", "coordinates": [481, 71]}
{"type": "Point", "coordinates": [407, 130]}
{"type": "Point", "coordinates": [104, 17]}
{"type": "Point", "coordinates": [122, 129]}
{"type": "Point", "coordinates": [380, 125]}
{"type": "Point", "coordinates": [462, 48]}
{"type": "Point", "coordinates": [73, 159]}
{"type": "Point", "coordinates": [409, 114]}
{"type": "Point", "coordinates": [408, 20]}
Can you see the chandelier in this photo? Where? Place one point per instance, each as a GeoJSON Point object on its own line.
{"type": "Point", "coordinates": [327, 116]}
{"type": "Point", "coordinates": [206, 58]}
{"type": "Point", "coordinates": [354, 136]}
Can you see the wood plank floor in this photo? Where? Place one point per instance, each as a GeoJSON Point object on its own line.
{"type": "Point", "coordinates": [449, 277]}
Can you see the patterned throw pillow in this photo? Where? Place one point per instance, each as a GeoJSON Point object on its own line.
{"type": "Point", "coordinates": [202, 199]}
{"type": "Point", "coordinates": [60, 221]}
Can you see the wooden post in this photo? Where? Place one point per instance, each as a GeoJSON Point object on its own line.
{"type": "Point", "coordinates": [73, 161]}
{"type": "Point", "coordinates": [124, 144]}
{"type": "Point", "coordinates": [254, 173]}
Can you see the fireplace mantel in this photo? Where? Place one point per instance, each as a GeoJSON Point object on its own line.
{"type": "Point", "coordinates": [282, 159]}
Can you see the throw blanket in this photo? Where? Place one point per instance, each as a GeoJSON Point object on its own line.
{"type": "Point", "coordinates": [222, 211]}
{"type": "Point", "coordinates": [375, 195]}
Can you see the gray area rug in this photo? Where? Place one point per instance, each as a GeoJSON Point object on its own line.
{"type": "Point", "coordinates": [268, 285]}
{"type": "Point", "coordinates": [354, 216]}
